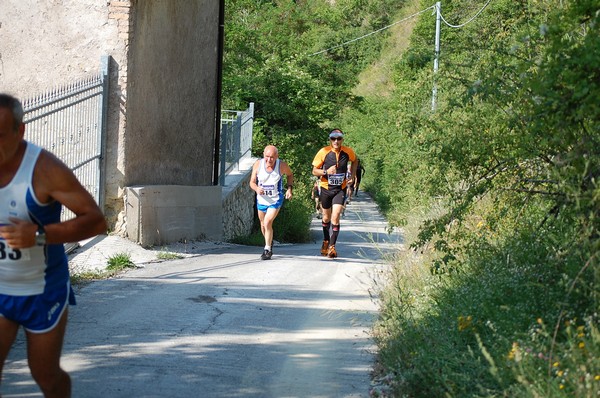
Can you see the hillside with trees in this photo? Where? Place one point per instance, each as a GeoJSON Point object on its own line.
{"type": "Point", "coordinates": [494, 179]}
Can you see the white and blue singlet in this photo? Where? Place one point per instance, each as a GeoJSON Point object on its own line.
{"type": "Point", "coordinates": [34, 282]}
{"type": "Point", "coordinates": [272, 184]}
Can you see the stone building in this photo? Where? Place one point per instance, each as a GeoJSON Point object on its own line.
{"type": "Point", "coordinates": [164, 101]}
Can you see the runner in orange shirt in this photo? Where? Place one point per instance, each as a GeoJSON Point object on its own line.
{"type": "Point", "coordinates": [331, 165]}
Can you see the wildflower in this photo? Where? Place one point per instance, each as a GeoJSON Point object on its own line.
{"type": "Point", "coordinates": [556, 364]}
{"type": "Point", "coordinates": [582, 345]}
{"type": "Point", "coordinates": [560, 373]}
{"type": "Point", "coordinates": [514, 353]}
{"type": "Point", "coordinates": [562, 386]}
{"type": "Point", "coordinates": [597, 377]}
{"type": "Point", "coordinates": [464, 322]}
{"type": "Point", "coordinates": [540, 321]}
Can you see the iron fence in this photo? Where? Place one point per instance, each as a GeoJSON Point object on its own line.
{"type": "Point", "coordinates": [236, 139]}
{"type": "Point", "coordinates": [70, 122]}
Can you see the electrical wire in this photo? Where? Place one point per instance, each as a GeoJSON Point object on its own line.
{"type": "Point", "coordinates": [372, 33]}
{"type": "Point", "coordinates": [470, 20]}
{"type": "Point", "coordinates": [402, 20]}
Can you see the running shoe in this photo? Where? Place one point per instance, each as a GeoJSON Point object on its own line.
{"type": "Point", "coordinates": [267, 254]}
{"type": "Point", "coordinates": [332, 253]}
{"type": "Point", "coordinates": [325, 248]}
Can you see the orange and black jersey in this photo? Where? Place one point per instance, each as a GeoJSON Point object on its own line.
{"type": "Point", "coordinates": [326, 158]}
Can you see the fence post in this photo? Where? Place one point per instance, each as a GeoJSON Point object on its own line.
{"type": "Point", "coordinates": [436, 61]}
{"type": "Point", "coordinates": [224, 137]}
{"type": "Point", "coordinates": [105, 75]}
{"type": "Point", "coordinates": [237, 136]}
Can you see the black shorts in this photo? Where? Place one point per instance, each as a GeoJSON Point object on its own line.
{"type": "Point", "coordinates": [331, 197]}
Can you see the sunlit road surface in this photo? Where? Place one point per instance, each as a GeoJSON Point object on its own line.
{"type": "Point", "coordinates": [226, 324]}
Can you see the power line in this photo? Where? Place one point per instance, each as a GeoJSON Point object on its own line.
{"type": "Point", "coordinates": [372, 33]}
{"type": "Point", "coordinates": [402, 20]}
{"type": "Point", "coordinates": [470, 20]}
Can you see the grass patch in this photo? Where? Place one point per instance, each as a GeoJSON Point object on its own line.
{"type": "Point", "coordinates": [254, 239]}
{"type": "Point", "coordinates": [167, 255]}
{"type": "Point", "coordinates": [119, 262]}
{"type": "Point", "coordinates": [377, 79]}
{"type": "Point", "coordinates": [83, 278]}
{"type": "Point", "coordinates": [507, 323]}
{"type": "Point", "coordinates": [115, 264]}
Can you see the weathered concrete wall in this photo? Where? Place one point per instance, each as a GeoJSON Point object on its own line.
{"type": "Point", "coordinates": [46, 44]}
{"type": "Point", "coordinates": [172, 93]}
{"type": "Point", "coordinates": [162, 214]}
{"type": "Point", "coordinates": [171, 110]}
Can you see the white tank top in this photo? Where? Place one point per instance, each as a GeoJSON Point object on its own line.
{"type": "Point", "coordinates": [270, 182]}
{"type": "Point", "coordinates": [22, 271]}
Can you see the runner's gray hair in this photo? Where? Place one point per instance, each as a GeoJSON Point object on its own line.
{"type": "Point", "coordinates": [10, 102]}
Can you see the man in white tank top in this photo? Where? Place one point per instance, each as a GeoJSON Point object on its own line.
{"type": "Point", "coordinates": [34, 270]}
{"type": "Point", "coordinates": [266, 181]}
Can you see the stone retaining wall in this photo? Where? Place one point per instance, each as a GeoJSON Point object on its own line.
{"type": "Point", "coordinates": [238, 209]}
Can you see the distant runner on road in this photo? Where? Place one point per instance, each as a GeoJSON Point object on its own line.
{"type": "Point", "coordinates": [314, 195]}
{"type": "Point", "coordinates": [266, 181]}
{"type": "Point", "coordinates": [331, 165]}
{"type": "Point", "coordinates": [360, 171]}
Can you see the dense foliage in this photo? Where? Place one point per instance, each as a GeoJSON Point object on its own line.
{"type": "Point", "coordinates": [268, 60]}
{"type": "Point", "coordinates": [496, 185]}
{"type": "Point", "coordinates": [510, 161]}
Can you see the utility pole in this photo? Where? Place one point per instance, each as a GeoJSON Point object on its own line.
{"type": "Point", "coordinates": [436, 61]}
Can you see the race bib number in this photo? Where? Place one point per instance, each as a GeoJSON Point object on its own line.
{"type": "Point", "coordinates": [7, 254]}
{"type": "Point", "coordinates": [269, 190]}
{"type": "Point", "coordinates": [335, 179]}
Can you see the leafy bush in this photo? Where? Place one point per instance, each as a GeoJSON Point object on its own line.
{"type": "Point", "coordinates": [511, 154]}
{"type": "Point", "coordinates": [119, 261]}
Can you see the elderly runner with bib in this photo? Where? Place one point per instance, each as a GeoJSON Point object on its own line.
{"type": "Point", "coordinates": [266, 181]}
{"type": "Point", "coordinates": [331, 164]}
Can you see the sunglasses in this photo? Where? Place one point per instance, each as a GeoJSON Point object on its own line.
{"type": "Point", "coordinates": [336, 138]}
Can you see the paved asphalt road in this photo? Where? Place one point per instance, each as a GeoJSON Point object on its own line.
{"type": "Point", "coordinates": [222, 323]}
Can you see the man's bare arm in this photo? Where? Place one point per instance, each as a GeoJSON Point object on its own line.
{"type": "Point", "coordinates": [54, 181]}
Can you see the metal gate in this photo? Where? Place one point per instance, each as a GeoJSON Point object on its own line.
{"type": "Point", "coordinates": [236, 139]}
{"type": "Point", "coordinates": [70, 122]}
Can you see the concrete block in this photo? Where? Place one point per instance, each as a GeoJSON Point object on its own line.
{"type": "Point", "coordinates": [163, 214]}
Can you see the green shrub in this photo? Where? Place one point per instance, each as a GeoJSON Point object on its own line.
{"type": "Point", "coordinates": [119, 261]}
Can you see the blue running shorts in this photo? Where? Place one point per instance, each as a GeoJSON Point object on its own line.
{"type": "Point", "coordinates": [263, 208]}
{"type": "Point", "coordinates": [39, 313]}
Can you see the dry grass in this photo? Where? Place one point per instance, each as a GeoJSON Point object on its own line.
{"type": "Point", "coordinates": [376, 80]}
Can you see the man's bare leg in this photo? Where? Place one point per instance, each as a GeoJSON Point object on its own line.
{"type": "Point", "coordinates": [8, 333]}
{"type": "Point", "coordinates": [43, 354]}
